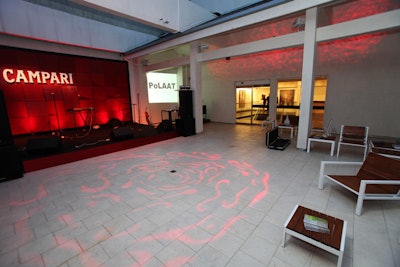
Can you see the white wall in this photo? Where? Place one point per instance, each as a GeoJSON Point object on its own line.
{"type": "Point", "coordinates": [363, 82]}
{"type": "Point", "coordinates": [220, 99]}
{"type": "Point", "coordinates": [368, 92]}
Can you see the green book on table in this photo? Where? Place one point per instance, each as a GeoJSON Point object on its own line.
{"type": "Point", "coordinates": [316, 224]}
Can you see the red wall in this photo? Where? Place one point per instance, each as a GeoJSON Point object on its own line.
{"type": "Point", "coordinates": [34, 107]}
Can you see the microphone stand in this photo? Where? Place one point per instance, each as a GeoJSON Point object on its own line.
{"type": "Point", "coordinates": [58, 121]}
{"type": "Point", "coordinates": [138, 106]}
{"type": "Point", "coordinates": [134, 113]}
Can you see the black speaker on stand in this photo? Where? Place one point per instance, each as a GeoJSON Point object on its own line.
{"type": "Point", "coordinates": [185, 125]}
{"type": "Point", "coordinates": [10, 163]}
{"type": "Point", "coordinates": [5, 130]}
{"type": "Point", "coordinates": [185, 103]}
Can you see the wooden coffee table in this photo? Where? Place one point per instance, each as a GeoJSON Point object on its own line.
{"type": "Point", "coordinates": [332, 242]}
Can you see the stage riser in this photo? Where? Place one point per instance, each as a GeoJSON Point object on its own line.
{"type": "Point", "coordinates": [63, 158]}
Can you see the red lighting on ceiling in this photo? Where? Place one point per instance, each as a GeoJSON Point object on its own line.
{"type": "Point", "coordinates": [288, 62]}
{"type": "Point", "coordinates": [361, 8]}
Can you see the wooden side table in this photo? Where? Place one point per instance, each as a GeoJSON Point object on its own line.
{"type": "Point", "coordinates": [333, 242]}
{"type": "Point", "coordinates": [317, 138]}
{"type": "Point", "coordinates": [292, 128]}
{"type": "Point", "coordinates": [268, 123]}
{"type": "Point", "coordinates": [384, 148]}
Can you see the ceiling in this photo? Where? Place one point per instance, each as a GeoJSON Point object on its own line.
{"type": "Point", "coordinates": [119, 25]}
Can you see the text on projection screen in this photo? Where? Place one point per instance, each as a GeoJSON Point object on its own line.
{"type": "Point", "coordinates": [162, 87]}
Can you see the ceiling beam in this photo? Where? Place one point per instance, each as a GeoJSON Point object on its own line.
{"type": "Point", "coordinates": [80, 10]}
{"type": "Point", "coordinates": [40, 45]}
{"type": "Point", "coordinates": [257, 17]}
{"type": "Point", "coordinates": [279, 42]}
{"type": "Point", "coordinates": [169, 15]}
{"type": "Point", "coordinates": [384, 21]}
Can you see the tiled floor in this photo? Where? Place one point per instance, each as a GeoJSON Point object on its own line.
{"type": "Point", "coordinates": [219, 198]}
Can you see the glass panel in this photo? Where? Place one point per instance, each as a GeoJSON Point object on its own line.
{"type": "Point", "coordinates": [289, 95]}
{"type": "Point", "coordinates": [252, 104]}
{"type": "Point", "coordinates": [243, 105]}
{"type": "Point", "coordinates": [260, 103]}
{"type": "Point", "coordinates": [319, 103]}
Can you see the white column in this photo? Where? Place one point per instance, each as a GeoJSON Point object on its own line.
{"type": "Point", "coordinates": [134, 85]}
{"type": "Point", "coordinates": [138, 89]}
{"type": "Point", "coordinates": [307, 78]}
{"type": "Point", "coordinates": [273, 99]}
{"type": "Point", "coordinates": [195, 85]}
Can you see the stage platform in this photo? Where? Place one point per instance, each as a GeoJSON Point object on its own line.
{"type": "Point", "coordinates": [44, 150]}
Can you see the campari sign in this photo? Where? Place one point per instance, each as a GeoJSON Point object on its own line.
{"type": "Point", "coordinates": [19, 76]}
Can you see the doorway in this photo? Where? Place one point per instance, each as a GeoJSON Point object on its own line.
{"type": "Point", "coordinates": [252, 103]}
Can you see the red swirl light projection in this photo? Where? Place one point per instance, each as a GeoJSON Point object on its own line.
{"type": "Point", "coordinates": [167, 190]}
